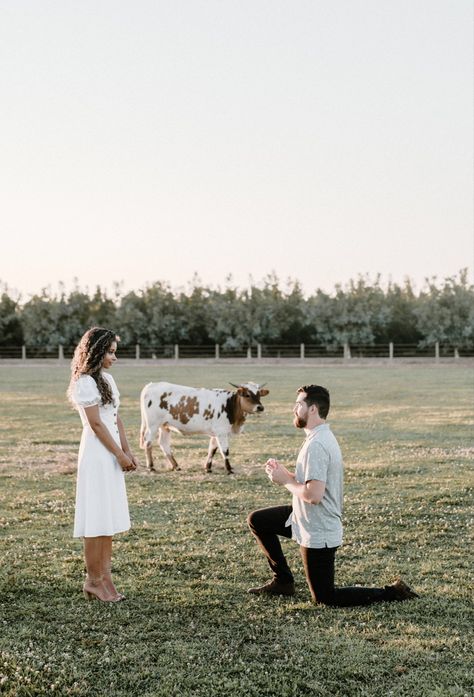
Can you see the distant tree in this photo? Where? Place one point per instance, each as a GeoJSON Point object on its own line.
{"type": "Point", "coordinates": [401, 327]}
{"type": "Point", "coordinates": [132, 322]}
{"type": "Point", "coordinates": [11, 331]}
{"type": "Point", "coordinates": [261, 312]}
{"type": "Point", "coordinates": [194, 312]}
{"type": "Point", "coordinates": [294, 314]}
{"type": "Point", "coordinates": [102, 310]}
{"type": "Point", "coordinates": [49, 320]}
{"type": "Point", "coordinates": [150, 317]}
{"type": "Point", "coordinates": [163, 313]}
{"type": "Point", "coordinates": [72, 316]}
{"type": "Point", "coordinates": [318, 320]}
{"type": "Point", "coordinates": [39, 318]}
{"type": "Point", "coordinates": [227, 318]}
{"type": "Point", "coordinates": [446, 314]}
{"type": "Point", "coordinates": [275, 316]}
{"type": "Point", "coordinates": [258, 314]}
{"type": "Point", "coordinates": [356, 314]}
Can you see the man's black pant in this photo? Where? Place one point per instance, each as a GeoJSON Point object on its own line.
{"type": "Point", "coordinates": [267, 523]}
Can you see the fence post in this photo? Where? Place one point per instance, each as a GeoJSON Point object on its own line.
{"type": "Point", "coordinates": [456, 354]}
{"type": "Point", "coordinates": [176, 352]}
{"type": "Point", "coordinates": [249, 353]}
{"type": "Point", "coordinates": [137, 352]}
{"type": "Point", "coordinates": [23, 353]}
{"type": "Point", "coordinates": [390, 350]}
{"type": "Point", "coordinates": [437, 351]}
{"type": "Point", "coordinates": [60, 352]}
{"type": "Point", "coordinates": [217, 352]}
{"type": "Point", "coordinates": [259, 352]}
{"type": "Point", "coordinates": [347, 351]}
{"type": "Point", "coordinates": [302, 352]}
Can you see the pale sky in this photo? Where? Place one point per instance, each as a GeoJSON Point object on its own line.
{"type": "Point", "coordinates": [154, 139]}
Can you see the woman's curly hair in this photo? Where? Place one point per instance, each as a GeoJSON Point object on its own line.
{"type": "Point", "coordinates": [88, 358]}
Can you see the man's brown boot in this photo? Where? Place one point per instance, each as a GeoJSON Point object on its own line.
{"type": "Point", "coordinates": [274, 587]}
{"type": "Point", "coordinates": [401, 590]}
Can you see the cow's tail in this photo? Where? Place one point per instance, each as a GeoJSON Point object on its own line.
{"type": "Point", "coordinates": [142, 434]}
{"type": "Point", "coordinates": [145, 435]}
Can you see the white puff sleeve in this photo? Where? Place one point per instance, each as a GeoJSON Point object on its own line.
{"type": "Point", "coordinates": [85, 392]}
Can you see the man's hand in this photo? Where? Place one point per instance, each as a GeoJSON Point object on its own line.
{"type": "Point", "coordinates": [277, 473]}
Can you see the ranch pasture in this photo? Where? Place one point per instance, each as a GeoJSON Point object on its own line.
{"type": "Point", "coordinates": [188, 627]}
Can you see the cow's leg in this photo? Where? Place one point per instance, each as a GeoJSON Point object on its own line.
{"type": "Point", "coordinates": [149, 457]}
{"type": "Point", "coordinates": [164, 439]}
{"type": "Point", "coordinates": [147, 436]}
{"type": "Point", "coordinates": [211, 452]}
{"type": "Point", "coordinates": [223, 443]}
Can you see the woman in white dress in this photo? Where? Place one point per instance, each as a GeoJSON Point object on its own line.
{"type": "Point", "coordinates": [104, 456]}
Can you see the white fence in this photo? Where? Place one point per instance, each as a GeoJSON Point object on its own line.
{"type": "Point", "coordinates": [258, 352]}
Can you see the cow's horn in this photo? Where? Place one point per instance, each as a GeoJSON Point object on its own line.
{"type": "Point", "coordinates": [260, 386]}
{"type": "Point", "coordinates": [233, 385]}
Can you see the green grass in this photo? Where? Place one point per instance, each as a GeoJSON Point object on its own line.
{"type": "Point", "coordinates": [188, 626]}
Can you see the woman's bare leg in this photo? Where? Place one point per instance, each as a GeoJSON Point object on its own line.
{"type": "Point", "coordinates": [95, 582]}
{"type": "Point", "coordinates": [107, 566]}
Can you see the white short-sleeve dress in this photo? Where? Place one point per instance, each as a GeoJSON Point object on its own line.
{"type": "Point", "coordinates": [101, 497]}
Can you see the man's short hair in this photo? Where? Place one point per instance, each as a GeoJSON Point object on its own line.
{"type": "Point", "coordinates": [315, 394]}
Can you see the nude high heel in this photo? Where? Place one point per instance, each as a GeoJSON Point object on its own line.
{"type": "Point", "coordinates": [89, 592]}
{"type": "Point", "coordinates": [118, 597]}
{"type": "Point", "coordinates": [88, 595]}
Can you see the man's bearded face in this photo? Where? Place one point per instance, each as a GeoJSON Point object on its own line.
{"type": "Point", "coordinates": [300, 412]}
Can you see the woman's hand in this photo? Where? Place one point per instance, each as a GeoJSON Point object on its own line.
{"type": "Point", "coordinates": [126, 463]}
{"type": "Point", "coordinates": [132, 458]}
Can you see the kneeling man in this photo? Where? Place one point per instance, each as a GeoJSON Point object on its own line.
{"type": "Point", "coordinates": [314, 519]}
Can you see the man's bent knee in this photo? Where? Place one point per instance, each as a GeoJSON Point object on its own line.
{"type": "Point", "coordinates": [252, 520]}
{"type": "Point", "coordinates": [257, 520]}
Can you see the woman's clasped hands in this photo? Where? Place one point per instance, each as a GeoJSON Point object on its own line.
{"type": "Point", "coordinates": [127, 462]}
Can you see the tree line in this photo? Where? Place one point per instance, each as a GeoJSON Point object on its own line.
{"type": "Point", "coordinates": [361, 312]}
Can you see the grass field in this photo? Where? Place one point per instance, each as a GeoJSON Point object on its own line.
{"type": "Point", "coordinates": [188, 626]}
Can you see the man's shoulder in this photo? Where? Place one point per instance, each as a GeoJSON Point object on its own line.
{"type": "Point", "coordinates": [322, 434]}
{"type": "Point", "coordinates": [315, 449]}
{"type": "Point", "coordinates": [325, 439]}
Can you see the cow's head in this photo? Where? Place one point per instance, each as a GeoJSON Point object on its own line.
{"type": "Point", "coordinates": [250, 394]}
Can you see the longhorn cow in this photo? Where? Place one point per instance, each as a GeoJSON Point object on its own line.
{"type": "Point", "coordinates": [216, 413]}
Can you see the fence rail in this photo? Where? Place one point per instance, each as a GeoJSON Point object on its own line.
{"type": "Point", "coordinates": [257, 352]}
